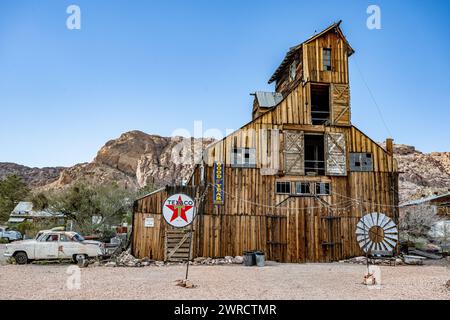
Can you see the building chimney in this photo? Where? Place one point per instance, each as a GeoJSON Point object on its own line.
{"type": "Point", "coordinates": [390, 146]}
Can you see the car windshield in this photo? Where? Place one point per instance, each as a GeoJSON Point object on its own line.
{"type": "Point", "coordinates": [77, 237]}
{"type": "Point", "coordinates": [39, 234]}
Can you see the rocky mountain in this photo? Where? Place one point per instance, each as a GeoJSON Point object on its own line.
{"type": "Point", "coordinates": [136, 159]}
{"type": "Point", "coordinates": [422, 173]}
{"type": "Point", "coordinates": [34, 177]}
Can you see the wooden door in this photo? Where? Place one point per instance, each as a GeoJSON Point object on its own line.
{"type": "Point", "coordinates": [294, 154]}
{"type": "Point", "coordinates": [336, 162]}
{"type": "Point", "coordinates": [177, 245]}
{"type": "Point", "coordinates": [276, 238]}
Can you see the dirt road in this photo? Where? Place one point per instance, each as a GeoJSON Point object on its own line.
{"type": "Point", "coordinates": [275, 281]}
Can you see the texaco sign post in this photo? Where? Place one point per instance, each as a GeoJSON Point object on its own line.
{"type": "Point", "coordinates": [179, 211]}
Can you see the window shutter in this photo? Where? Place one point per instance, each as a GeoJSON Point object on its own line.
{"type": "Point", "coordinates": [252, 157]}
{"type": "Point", "coordinates": [340, 98]}
{"type": "Point", "coordinates": [336, 162]}
{"type": "Point", "coordinates": [294, 152]}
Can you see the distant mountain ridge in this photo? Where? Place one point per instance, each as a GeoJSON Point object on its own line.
{"type": "Point", "coordinates": [34, 177]}
{"type": "Point", "coordinates": [136, 159]}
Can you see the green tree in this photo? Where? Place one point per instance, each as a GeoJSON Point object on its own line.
{"type": "Point", "coordinates": [93, 208]}
{"type": "Point", "coordinates": [12, 190]}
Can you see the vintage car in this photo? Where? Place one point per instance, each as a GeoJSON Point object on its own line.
{"type": "Point", "coordinates": [9, 235]}
{"type": "Point", "coordinates": [50, 244]}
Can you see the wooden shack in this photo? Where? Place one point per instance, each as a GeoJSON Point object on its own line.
{"type": "Point", "coordinates": [296, 179]}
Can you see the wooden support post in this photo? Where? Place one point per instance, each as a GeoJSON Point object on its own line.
{"type": "Point", "coordinates": [390, 146]}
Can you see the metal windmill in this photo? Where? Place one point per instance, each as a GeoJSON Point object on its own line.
{"type": "Point", "coordinates": [376, 232]}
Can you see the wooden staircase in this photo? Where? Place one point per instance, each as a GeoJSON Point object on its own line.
{"type": "Point", "coordinates": [177, 243]}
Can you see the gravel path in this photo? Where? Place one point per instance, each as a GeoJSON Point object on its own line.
{"type": "Point", "coordinates": [275, 281]}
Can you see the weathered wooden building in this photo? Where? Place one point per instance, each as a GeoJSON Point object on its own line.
{"type": "Point", "coordinates": [297, 178]}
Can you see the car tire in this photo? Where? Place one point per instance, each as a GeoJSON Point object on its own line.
{"type": "Point", "coordinates": [6, 240]}
{"type": "Point", "coordinates": [21, 258]}
{"type": "Point", "coordinates": [76, 257]}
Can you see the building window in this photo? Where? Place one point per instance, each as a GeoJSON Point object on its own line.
{"type": "Point", "coordinates": [302, 188]}
{"type": "Point", "coordinates": [314, 155]}
{"type": "Point", "coordinates": [322, 188]}
{"type": "Point", "coordinates": [243, 158]}
{"type": "Point", "coordinates": [361, 162]}
{"type": "Point", "coordinates": [293, 71]}
{"type": "Point", "coordinates": [327, 59]}
{"type": "Point", "coordinates": [320, 104]}
{"type": "Point", "coordinates": [283, 187]}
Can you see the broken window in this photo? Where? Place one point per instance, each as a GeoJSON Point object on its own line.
{"type": "Point", "coordinates": [314, 155]}
{"type": "Point", "coordinates": [320, 104]}
{"type": "Point", "coordinates": [322, 188]}
{"type": "Point", "coordinates": [302, 188]}
{"type": "Point", "coordinates": [361, 162]}
{"type": "Point", "coordinates": [326, 59]}
{"type": "Point", "coordinates": [283, 187]}
{"type": "Point", "coordinates": [243, 158]}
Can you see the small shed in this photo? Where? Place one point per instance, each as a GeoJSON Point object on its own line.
{"type": "Point", "coordinates": [24, 212]}
{"type": "Point", "coordinates": [440, 202]}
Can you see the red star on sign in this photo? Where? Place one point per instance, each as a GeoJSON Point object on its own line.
{"type": "Point", "coordinates": [179, 210]}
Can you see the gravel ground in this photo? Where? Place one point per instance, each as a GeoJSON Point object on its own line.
{"type": "Point", "coordinates": [275, 281]}
{"type": "Point", "coordinates": [2, 258]}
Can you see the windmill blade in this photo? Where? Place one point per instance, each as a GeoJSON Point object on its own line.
{"type": "Point", "coordinates": [393, 237]}
{"type": "Point", "coordinates": [368, 221]}
{"type": "Point", "coordinates": [384, 220]}
{"type": "Point", "coordinates": [388, 224]}
{"type": "Point", "coordinates": [387, 245]}
{"type": "Point", "coordinates": [383, 246]}
{"type": "Point", "coordinates": [362, 238]}
{"type": "Point", "coordinates": [391, 230]}
{"type": "Point", "coordinates": [374, 216]}
{"type": "Point", "coordinates": [389, 242]}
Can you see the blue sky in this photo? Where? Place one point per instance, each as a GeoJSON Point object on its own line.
{"type": "Point", "coordinates": [157, 66]}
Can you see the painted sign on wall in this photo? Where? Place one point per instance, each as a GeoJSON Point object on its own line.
{"type": "Point", "coordinates": [218, 192]}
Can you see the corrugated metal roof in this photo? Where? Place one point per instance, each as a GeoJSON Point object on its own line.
{"type": "Point", "coordinates": [268, 99]}
{"type": "Point", "coordinates": [16, 220]}
{"type": "Point", "coordinates": [23, 207]}
{"type": "Point", "coordinates": [424, 200]}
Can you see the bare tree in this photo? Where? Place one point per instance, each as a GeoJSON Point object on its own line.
{"type": "Point", "coordinates": [417, 221]}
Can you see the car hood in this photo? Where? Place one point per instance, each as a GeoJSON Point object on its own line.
{"type": "Point", "coordinates": [22, 242]}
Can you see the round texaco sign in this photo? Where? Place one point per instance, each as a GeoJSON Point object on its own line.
{"type": "Point", "coordinates": [179, 210]}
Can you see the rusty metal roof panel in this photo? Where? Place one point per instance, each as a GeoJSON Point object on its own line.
{"type": "Point", "coordinates": [268, 99]}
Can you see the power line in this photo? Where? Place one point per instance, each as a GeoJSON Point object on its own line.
{"type": "Point", "coordinates": [373, 98]}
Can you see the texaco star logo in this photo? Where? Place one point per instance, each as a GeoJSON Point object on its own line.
{"type": "Point", "coordinates": [179, 210]}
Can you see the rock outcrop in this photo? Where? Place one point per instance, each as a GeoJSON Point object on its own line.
{"type": "Point", "coordinates": [34, 177]}
{"type": "Point", "coordinates": [422, 174]}
{"type": "Point", "coordinates": [136, 159]}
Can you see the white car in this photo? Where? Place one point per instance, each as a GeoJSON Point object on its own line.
{"type": "Point", "coordinates": [51, 244]}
